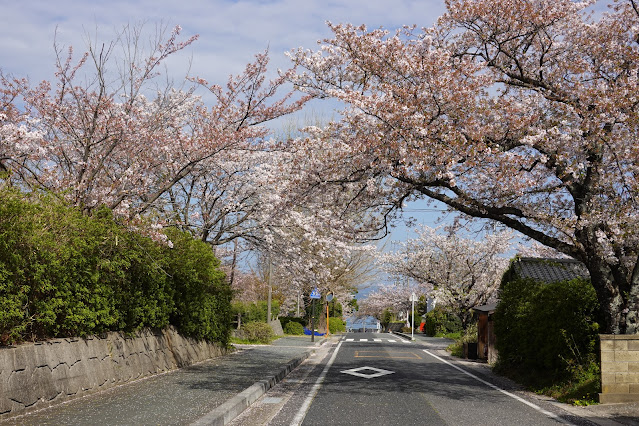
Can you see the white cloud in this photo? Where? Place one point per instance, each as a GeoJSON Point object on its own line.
{"type": "Point", "coordinates": [231, 32]}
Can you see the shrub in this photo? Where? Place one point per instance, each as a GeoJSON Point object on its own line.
{"type": "Point", "coordinates": [256, 332]}
{"type": "Point", "coordinates": [440, 321]}
{"type": "Point", "coordinates": [336, 325]}
{"type": "Point", "coordinates": [202, 296]}
{"type": "Point", "coordinates": [254, 311]}
{"type": "Point", "coordinates": [545, 330]}
{"type": "Point", "coordinates": [65, 274]}
{"type": "Point", "coordinates": [286, 320]}
{"type": "Point", "coordinates": [294, 328]}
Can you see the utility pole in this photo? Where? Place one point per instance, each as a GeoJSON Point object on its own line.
{"type": "Point", "coordinates": [270, 290]}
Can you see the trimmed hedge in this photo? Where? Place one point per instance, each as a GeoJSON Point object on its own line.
{"type": "Point", "coordinates": [65, 274]}
{"type": "Point", "coordinates": [546, 330]}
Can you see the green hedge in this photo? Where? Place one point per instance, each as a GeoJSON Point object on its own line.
{"type": "Point", "coordinates": [256, 332]}
{"type": "Point", "coordinates": [439, 321]}
{"type": "Point", "coordinates": [65, 274]}
{"type": "Point", "coordinates": [285, 320]}
{"type": "Point", "coordinates": [254, 311]}
{"type": "Point", "coordinates": [294, 328]}
{"type": "Point", "coordinates": [336, 325]}
{"type": "Point", "coordinates": [546, 330]}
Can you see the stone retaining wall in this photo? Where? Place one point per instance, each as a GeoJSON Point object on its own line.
{"type": "Point", "coordinates": [35, 375]}
{"type": "Point", "coordinates": [619, 368]}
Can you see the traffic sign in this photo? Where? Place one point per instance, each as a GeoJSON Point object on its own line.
{"type": "Point", "coordinates": [315, 294]}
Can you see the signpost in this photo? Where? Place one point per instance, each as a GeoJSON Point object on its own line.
{"type": "Point", "coordinates": [315, 294]}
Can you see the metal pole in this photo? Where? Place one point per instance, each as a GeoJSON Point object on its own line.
{"type": "Point", "coordinates": [412, 320]}
{"type": "Point", "coordinates": [327, 321]}
{"type": "Point", "coordinates": [270, 291]}
{"type": "Point", "coordinates": [313, 322]}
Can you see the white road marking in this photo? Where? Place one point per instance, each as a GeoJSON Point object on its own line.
{"type": "Point", "coordinates": [520, 399]}
{"type": "Point", "coordinates": [299, 417]}
{"type": "Point", "coordinates": [377, 372]}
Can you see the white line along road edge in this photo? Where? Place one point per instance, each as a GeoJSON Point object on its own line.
{"type": "Point", "coordinates": [522, 400]}
{"type": "Point", "coordinates": [299, 417]}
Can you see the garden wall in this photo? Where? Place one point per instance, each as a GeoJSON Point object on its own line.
{"type": "Point", "coordinates": [35, 375]}
{"type": "Point", "coordinates": [619, 368]}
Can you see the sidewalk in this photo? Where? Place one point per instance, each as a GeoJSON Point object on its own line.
{"type": "Point", "coordinates": [212, 392]}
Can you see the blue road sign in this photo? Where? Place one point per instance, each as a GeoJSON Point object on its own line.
{"type": "Point", "coordinates": [315, 294]}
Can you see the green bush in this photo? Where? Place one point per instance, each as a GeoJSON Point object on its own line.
{"type": "Point", "coordinates": [285, 320]}
{"type": "Point", "coordinates": [202, 296]}
{"type": "Point", "coordinates": [546, 330]}
{"type": "Point", "coordinates": [255, 311]}
{"type": "Point", "coordinates": [256, 332]}
{"type": "Point", "coordinates": [439, 321]}
{"type": "Point", "coordinates": [63, 273]}
{"type": "Point", "coordinates": [336, 325]}
{"type": "Point", "coordinates": [294, 328]}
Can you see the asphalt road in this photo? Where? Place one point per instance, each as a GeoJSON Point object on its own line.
{"type": "Point", "coordinates": [380, 379]}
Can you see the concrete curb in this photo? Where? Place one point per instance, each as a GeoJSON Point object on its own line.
{"type": "Point", "coordinates": [234, 406]}
{"type": "Point", "coordinates": [405, 336]}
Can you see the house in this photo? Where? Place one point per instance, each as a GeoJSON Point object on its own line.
{"type": "Point", "coordinates": [546, 270]}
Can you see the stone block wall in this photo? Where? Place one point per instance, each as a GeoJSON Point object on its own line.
{"type": "Point", "coordinates": [35, 375]}
{"type": "Point", "coordinates": [619, 368]}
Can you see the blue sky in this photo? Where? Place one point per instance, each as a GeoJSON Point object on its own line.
{"type": "Point", "coordinates": [231, 32]}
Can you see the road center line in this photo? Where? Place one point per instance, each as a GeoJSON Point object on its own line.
{"type": "Point", "coordinates": [520, 399]}
{"type": "Point", "coordinates": [299, 417]}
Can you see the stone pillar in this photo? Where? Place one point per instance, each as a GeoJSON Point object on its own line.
{"type": "Point", "coordinates": [619, 368]}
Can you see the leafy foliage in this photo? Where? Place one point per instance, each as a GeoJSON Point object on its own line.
{"type": "Point", "coordinates": [336, 325]}
{"type": "Point", "coordinates": [440, 321]}
{"type": "Point", "coordinates": [256, 332]}
{"type": "Point", "coordinates": [63, 273]}
{"type": "Point", "coordinates": [250, 311]}
{"type": "Point", "coordinates": [294, 328]}
{"type": "Point", "coordinates": [285, 320]}
{"type": "Point", "coordinates": [546, 330]}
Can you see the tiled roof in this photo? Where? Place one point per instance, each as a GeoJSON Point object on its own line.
{"type": "Point", "coordinates": [486, 308]}
{"type": "Point", "coordinates": [550, 270]}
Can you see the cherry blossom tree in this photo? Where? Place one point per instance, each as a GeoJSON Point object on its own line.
{"type": "Point", "coordinates": [392, 297]}
{"type": "Point", "coordinates": [460, 273]}
{"type": "Point", "coordinates": [521, 112]}
{"type": "Point", "coordinates": [112, 134]}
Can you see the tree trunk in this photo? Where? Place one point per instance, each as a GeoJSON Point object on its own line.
{"type": "Point", "coordinates": [618, 297]}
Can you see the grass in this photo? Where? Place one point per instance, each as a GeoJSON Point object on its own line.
{"type": "Point", "coordinates": [581, 387]}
